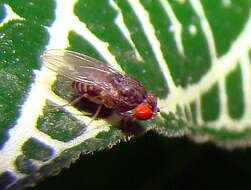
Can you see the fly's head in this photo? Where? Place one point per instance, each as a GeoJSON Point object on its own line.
{"type": "Point", "coordinates": [147, 109]}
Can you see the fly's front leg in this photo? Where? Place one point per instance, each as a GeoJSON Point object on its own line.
{"type": "Point", "coordinates": [128, 124]}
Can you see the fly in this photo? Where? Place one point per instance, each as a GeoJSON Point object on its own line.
{"type": "Point", "coordinates": [102, 84]}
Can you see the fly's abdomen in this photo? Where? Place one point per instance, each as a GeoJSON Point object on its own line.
{"type": "Point", "coordinates": [83, 88]}
{"type": "Point", "coordinates": [94, 94]}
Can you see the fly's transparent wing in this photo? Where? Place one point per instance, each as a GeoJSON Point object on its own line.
{"type": "Point", "coordinates": [76, 66]}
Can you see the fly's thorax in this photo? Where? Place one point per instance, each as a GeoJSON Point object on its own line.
{"type": "Point", "coordinates": [130, 92]}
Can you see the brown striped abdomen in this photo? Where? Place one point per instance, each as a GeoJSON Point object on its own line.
{"type": "Point", "coordinates": [94, 94]}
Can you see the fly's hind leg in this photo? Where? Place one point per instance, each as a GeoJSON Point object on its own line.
{"type": "Point", "coordinates": [72, 103]}
{"type": "Point", "coordinates": [93, 118]}
{"type": "Point", "coordinates": [96, 114]}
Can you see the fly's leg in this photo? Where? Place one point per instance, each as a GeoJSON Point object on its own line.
{"type": "Point", "coordinates": [129, 126]}
{"type": "Point", "coordinates": [93, 118]}
{"type": "Point", "coordinates": [126, 122]}
{"type": "Point", "coordinates": [72, 103]}
{"type": "Point", "coordinates": [96, 114]}
{"type": "Point", "coordinates": [76, 100]}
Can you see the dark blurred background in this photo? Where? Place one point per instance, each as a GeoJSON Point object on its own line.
{"type": "Point", "coordinates": [156, 162]}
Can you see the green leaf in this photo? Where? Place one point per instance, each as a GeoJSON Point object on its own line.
{"type": "Point", "coordinates": [194, 55]}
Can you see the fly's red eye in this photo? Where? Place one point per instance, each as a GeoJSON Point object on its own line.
{"type": "Point", "coordinates": [143, 112]}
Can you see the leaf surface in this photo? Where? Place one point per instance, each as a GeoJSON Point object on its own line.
{"type": "Point", "coordinates": [194, 55]}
